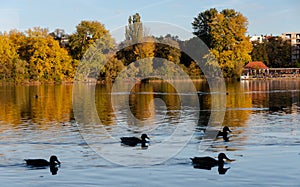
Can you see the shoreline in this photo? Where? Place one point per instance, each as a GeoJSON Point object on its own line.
{"type": "Point", "coordinates": [270, 78]}
{"type": "Point", "coordinates": [36, 83]}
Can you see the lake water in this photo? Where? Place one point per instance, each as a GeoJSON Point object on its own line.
{"type": "Point", "coordinates": [264, 116]}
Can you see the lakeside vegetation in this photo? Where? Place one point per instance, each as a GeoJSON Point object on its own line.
{"type": "Point", "coordinates": [37, 55]}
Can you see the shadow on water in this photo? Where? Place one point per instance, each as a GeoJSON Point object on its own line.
{"type": "Point", "coordinates": [221, 169]}
{"type": "Point", "coordinates": [53, 169]}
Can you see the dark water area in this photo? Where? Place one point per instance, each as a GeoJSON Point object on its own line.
{"type": "Point", "coordinates": [43, 120]}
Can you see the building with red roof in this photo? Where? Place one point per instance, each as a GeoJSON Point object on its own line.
{"type": "Point", "coordinates": [256, 65]}
{"type": "Point", "coordinates": [258, 69]}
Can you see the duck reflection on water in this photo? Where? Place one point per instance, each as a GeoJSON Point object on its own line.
{"type": "Point", "coordinates": [208, 162]}
{"type": "Point", "coordinates": [224, 133]}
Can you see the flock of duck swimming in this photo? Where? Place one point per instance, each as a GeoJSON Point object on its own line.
{"type": "Point", "coordinates": [198, 162]}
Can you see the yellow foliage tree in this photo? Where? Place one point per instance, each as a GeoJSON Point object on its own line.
{"type": "Point", "coordinates": [8, 56]}
{"type": "Point", "coordinates": [47, 60]}
{"type": "Point", "coordinates": [226, 31]}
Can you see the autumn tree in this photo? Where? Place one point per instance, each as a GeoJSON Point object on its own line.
{"type": "Point", "coordinates": [8, 56]}
{"type": "Point", "coordinates": [21, 68]}
{"type": "Point", "coordinates": [111, 69]}
{"type": "Point", "coordinates": [87, 33]}
{"type": "Point", "coordinates": [225, 34]}
{"type": "Point", "coordinates": [89, 46]}
{"type": "Point", "coordinates": [95, 63]}
{"type": "Point", "coordinates": [198, 50]}
{"type": "Point", "coordinates": [167, 49]}
{"type": "Point", "coordinates": [47, 61]}
{"type": "Point", "coordinates": [33, 55]}
{"type": "Point", "coordinates": [19, 41]}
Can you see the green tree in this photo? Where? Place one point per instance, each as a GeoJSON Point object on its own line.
{"type": "Point", "coordinates": [259, 52]}
{"type": "Point", "coordinates": [134, 31]}
{"type": "Point", "coordinates": [279, 52]}
{"type": "Point", "coordinates": [201, 25]}
{"type": "Point", "coordinates": [225, 32]}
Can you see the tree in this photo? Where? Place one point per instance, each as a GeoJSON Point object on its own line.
{"type": "Point", "coordinates": [199, 52]}
{"type": "Point", "coordinates": [134, 32]}
{"type": "Point", "coordinates": [225, 34]}
{"type": "Point", "coordinates": [259, 52]}
{"type": "Point", "coordinates": [87, 33]}
{"type": "Point", "coordinates": [47, 60]}
{"type": "Point", "coordinates": [274, 52]}
{"type": "Point", "coordinates": [167, 49]}
{"type": "Point", "coordinates": [112, 68]}
{"type": "Point", "coordinates": [279, 52]}
{"type": "Point", "coordinates": [8, 56]}
{"type": "Point", "coordinates": [201, 26]}
{"type": "Point", "coordinates": [20, 42]}
{"type": "Point", "coordinates": [138, 48]}
{"type": "Point", "coordinates": [144, 55]}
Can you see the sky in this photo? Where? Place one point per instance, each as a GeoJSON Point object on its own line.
{"type": "Point", "coordinates": [264, 16]}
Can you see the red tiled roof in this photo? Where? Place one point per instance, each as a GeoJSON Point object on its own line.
{"type": "Point", "coordinates": [256, 65]}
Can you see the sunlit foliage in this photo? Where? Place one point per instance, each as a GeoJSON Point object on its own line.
{"type": "Point", "coordinates": [225, 34]}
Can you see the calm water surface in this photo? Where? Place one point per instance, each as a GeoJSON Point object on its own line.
{"type": "Point", "coordinates": [264, 143]}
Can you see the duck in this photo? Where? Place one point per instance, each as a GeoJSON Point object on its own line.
{"type": "Point", "coordinates": [133, 141]}
{"type": "Point", "coordinates": [209, 162]}
{"type": "Point", "coordinates": [53, 162]}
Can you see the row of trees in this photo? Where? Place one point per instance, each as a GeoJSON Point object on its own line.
{"type": "Point", "coordinates": [274, 52]}
{"type": "Point", "coordinates": [33, 55]}
{"type": "Point", "coordinates": [37, 55]}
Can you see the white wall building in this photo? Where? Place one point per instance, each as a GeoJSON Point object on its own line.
{"type": "Point", "coordinates": [260, 38]}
